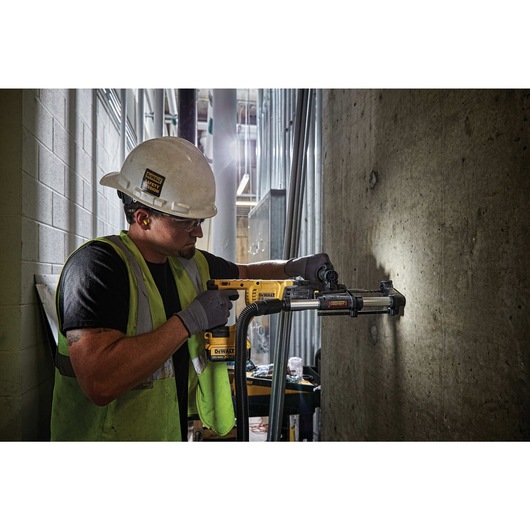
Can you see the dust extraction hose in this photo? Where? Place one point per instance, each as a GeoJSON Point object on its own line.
{"type": "Point", "coordinates": [264, 307]}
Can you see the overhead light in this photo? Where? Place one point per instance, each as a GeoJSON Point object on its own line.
{"type": "Point", "coordinates": [243, 183]}
{"type": "Point", "coordinates": [246, 203]}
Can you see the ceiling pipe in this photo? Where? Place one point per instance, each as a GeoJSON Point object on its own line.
{"type": "Point", "coordinates": [123, 124]}
{"type": "Point", "coordinates": [290, 250]}
{"type": "Point", "coordinates": [159, 112]}
{"type": "Point", "coordinates": [140, 116]}
{"type": "Point", "coordinates": [187, 114]}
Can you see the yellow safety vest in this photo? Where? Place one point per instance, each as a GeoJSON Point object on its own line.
{"type": "Point", "coordinates": [149, 412]}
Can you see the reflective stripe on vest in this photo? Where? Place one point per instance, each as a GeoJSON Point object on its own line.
{"type": "Point", "coordinates": [190, 266]}
{"type": "Point", "coordinates": [143, 317]}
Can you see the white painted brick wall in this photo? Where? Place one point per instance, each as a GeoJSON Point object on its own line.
{"type": "Point", "coordinates": [29, 239]}
{"type": "Point", "coordinates": [61, 212]}
{"type": "Point", "coordinates": [68, 143]}
{"type": "Point", "coordinates": [51, 245]}
{"type": "Point", "coordinates": [70, 162]}
{"type": "Point", "coordinates": [83, 222]}
{"type": "Point", "coordinates": [83, 164]}
{"type": "Point", "coordinates": [63, 144]}
{"type": "Point", "coordinates": [51, 170]}
{"type": "Point", "coordinates": [30, 158]}
{"type": "Point", "coordinates": [54, 101]}
{"type": "Point", "coordinates": [36, 119]}
{"type": "Point", "coordinates": [36, 200]}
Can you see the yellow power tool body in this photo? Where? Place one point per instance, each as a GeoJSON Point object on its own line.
{"type": "Point", "coordinates": [221, 341]}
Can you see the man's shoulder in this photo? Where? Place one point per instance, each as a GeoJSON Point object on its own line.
{"type": "Point", "coordinates": [94, 254]}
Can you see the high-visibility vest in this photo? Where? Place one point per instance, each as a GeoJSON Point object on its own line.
{"type": "Point", "coordinates": [150, 411]}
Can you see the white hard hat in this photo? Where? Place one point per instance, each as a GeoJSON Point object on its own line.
{"type": "Point", "coordinates": [168, 174]}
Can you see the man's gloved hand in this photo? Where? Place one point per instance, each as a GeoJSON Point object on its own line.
{"type": "Point", "coordinates": [209, 310]}
{"type": "Point", "coordinates": [307, 266]}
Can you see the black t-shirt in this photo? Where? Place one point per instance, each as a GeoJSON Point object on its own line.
{"type": "Point", "coordinates": [94, 293]}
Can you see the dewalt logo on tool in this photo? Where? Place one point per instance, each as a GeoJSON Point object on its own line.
{"type": "Point", "coordinates": [152, 182]}
{"type": "Point", "coordinates": [263, 296]}
{"type": "Point", "coordinates": [224, 351]}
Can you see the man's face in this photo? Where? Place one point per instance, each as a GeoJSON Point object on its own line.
{"type": "Point", "coordinates": [169, 236]}
{"type": "Point", "coordinates": [183, 234]}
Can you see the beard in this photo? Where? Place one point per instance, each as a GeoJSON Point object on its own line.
{"type": "Point", "coordinates": [187, 254]}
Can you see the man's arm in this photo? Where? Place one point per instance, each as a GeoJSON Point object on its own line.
{"type": "Point", "coordinates": [307, 267]}
{"type": "Point", "coordinates": [263, 270]}
{"type": "Point", "coordinates": [107, 363]}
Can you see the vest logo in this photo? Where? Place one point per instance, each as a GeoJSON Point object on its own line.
{"type": "Point", "coordinates": [152, 182]}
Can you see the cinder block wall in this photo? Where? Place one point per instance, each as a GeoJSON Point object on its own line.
{"type": "Point", "coordinates": [54, 147]}
{"type": "Point", "coordinates": [429, 188]}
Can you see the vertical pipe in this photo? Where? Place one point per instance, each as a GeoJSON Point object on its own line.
{"type": "Point", "coordinates": [246, 171]}
{"type": "Point", "coordinates": [259, 140]}
{"type": "Point", "coordinates": [123, 124]}
{"type": "Point", "coordinates": [279, 138]}
{"type": "Point", "coordinates": [94, 166]}
{"type": "Point", "coordinates": [309, 320]}
{"type": "Point", "coordinates": [187, 114]}
{"type": "Point", "coordinates": [267, 183]}
{"type": "Point", "coordinates": [318, 194]}
{"type": "Point", "coordinates": [287, 134]}
{"type": "Point", "coordinates": [291, 246]}
{"type": "Point", "coordinates": [159, 113]}
{"type": "Point", "coordinates": [318, 169]}
{"type": "Point", "coordinates": [140, 115]}
{"type": "Point", "coordinates": [224, 168]}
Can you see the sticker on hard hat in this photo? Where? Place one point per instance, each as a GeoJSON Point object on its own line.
{"type": "Point", "coordinates": [152, 182]}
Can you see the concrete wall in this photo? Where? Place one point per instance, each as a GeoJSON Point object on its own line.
{"type": "Point", "coordinates": [430, 189]}
{"type": "Point", "coordinates": [54, 147]}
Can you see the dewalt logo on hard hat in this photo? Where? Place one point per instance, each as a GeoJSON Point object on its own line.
{"type": "Point", "coordinates": [152, 182]}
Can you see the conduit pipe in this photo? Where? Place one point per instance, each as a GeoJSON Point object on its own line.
{"type": "Point", "coordinates": [291, 246]}
{"type": "Point", "coordinates": [187, 114]}
{"type": "Point", "coordinates": [171, 102]}
{"type": "Point", "coordinates": [123, 123]}
{"type": "Point", "coordinates": [140, 116]}
{"type": "Point", "coordinates": [159, 113]}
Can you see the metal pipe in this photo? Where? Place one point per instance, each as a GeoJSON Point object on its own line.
{"type": "Point", "coordinates": [159, 112]}
{"type": "Point", "coordinates": [377, 301]}
{"type": "Point", "coordinates": [259, 139]}
{"type": "Point", "coordinates": [301, 305]}
{"type": "Point", "coordinates": [140, 117]}
{"type": "Point", "coordinates": [318, 170]}
{"type": "Point", "coordinates": [171, 102]}
{"type": "Point", "coordinates": [291, 244]}
{"type": "Point", "coordinates": [294, 182]}
{"type": "Point", "coordinates": [368, 303]}
{"type": "Point", "coordinates": [123, 124]}
{"type": "Point", "coordinates": [187, 114]}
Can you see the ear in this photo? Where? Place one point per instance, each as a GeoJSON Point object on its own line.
{"type": "Point", "coordinates": [142, 218]}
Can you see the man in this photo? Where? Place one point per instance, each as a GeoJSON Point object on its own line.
{"type": "Point", "coordinates": [133, 308]}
